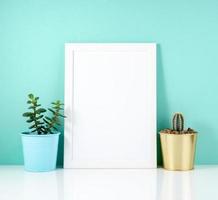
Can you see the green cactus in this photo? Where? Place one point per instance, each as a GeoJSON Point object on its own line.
{"type": "Point", "coordinates": [178, 122]}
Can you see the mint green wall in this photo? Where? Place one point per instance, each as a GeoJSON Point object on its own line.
{"type": "Point", "coordinates": [32, 37]}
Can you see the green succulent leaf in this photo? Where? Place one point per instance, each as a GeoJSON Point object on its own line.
{"type": "Point", "coordinates": [31, 107]}
{"type": "Point", "coordinates": [27, 114]}
{"type": "Point", "coordinates": [38, 122]}
{"type": "Point", "coordinates": [51, 110]}
{"type": "Point", "coordinates": [29, 120]}
{"type": "Point", "coordinates": [40, 110]}
{"type": "Point", "coordinates": [33, 126]}
{"type": "Point", "coordinates": [31, 96]}
{"type": "Point", "coordinates": [39, 117]}
{"type": "Point", "coordinates": [46, 121]}
{"type": "Point", "coordinates": [58, 102]}
{"type": "Point", "coordinates": [48, 118]}
{"type": "Point", "coordinates": [43, 129]}
{"type": "Point", "coordinates": [57, 108]}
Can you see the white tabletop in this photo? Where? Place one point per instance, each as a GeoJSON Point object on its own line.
{"type": "Point", "coordinates": [108, 184]}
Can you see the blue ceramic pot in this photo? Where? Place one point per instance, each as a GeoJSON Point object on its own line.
{"type": "Point", "coordinates": [40, 151]}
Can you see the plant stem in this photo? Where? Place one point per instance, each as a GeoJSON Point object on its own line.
{"type": "Point", "coordinates": [34, 119]}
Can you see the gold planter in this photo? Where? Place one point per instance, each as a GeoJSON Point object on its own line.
{"type": "Point", "coordinates": [178, 150]}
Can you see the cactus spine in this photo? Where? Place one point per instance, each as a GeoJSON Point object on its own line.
{"type": "Point", "coordinates": [178, 122]}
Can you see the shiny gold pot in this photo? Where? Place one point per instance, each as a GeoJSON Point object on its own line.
{"type": "Point", "coordinates": [178, 150]}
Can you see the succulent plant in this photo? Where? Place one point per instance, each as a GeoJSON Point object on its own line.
{"type": "Point", "coordinates": [35, 115]}
{"type": "Point", "coordinates": [40, 123]}
{"type": "Point", "coordinates": [54, 120]}
{"type": "Point", "coordinates": [178, 122]}
{"type": "Point", "coordinates": [178, 126]}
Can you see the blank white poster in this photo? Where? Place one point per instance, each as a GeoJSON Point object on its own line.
{"type": "Point", "coordinates": [113, 106]}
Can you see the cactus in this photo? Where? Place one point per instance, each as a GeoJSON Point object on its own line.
{"type": "Point", "coordinates": [178, 122]}
{"type": "Point", "coordinates": [178, 126]}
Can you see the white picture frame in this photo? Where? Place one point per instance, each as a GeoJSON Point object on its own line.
{"type": "Point", "coordinates": [110, 104]}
